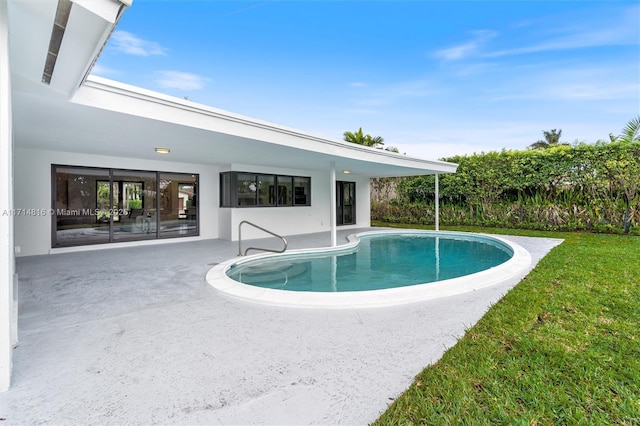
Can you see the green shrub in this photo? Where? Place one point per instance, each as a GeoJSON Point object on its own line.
{"type": "Point", "coordinates": [581, 187]}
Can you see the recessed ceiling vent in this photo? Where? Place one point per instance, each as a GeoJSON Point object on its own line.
{"type": "Point", "coordinates": [57, 32]}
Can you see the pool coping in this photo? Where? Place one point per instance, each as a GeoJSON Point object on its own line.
{"type": "Point", "coordinates": [519, 262]}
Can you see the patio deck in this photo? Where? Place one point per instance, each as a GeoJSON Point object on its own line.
{"type": "Point", "coordinates": [136, 336]}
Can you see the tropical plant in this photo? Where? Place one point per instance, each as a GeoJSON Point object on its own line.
{"type": "Point", "coordinates": [578, 187]}
{"type": "Point", "coordinates": [630, 133]}
{"type": "Point", "coordinates": [361, 139]}
{"type": "Point", "coordinates": [551, 138]}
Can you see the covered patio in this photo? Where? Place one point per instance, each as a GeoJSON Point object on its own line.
{"type": "Point", "coordinates": [135, 335]}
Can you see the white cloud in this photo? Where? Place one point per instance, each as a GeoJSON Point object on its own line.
{"type": "Point", "coordinates": [180, 80]}
{"type": "Point", "coordinates": [102, 70]}
{"type": "Point", "coordinates": [620, 29]}
{"type": "Point", "coordinates": [467, 48]}
{"type": "Point", "coordinates": [609, 82]}
{"type": "Point", "coordinates": [127, 43]}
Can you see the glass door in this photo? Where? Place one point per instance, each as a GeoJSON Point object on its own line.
{"type": "Point", "coordinates": [135, 196]}
{"type": "Point", "coordinates": [80, 206]}
{"type": "Point", "coordinates": [100, 205]}
{"type": "Point", "coordinates": [345, 203]}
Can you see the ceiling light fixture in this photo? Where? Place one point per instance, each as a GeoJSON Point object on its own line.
{"type": "Point", "coordinates": [346, 172]}
{"type": "Point", "coordinates": [163, 150]}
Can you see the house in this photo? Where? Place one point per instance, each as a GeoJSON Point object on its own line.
{"type": "Point", "coordinates": [88, 163]}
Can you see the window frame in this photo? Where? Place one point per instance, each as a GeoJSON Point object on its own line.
{"type": "Point", "coordinates": [113, 176]}
{"type": "Point", "coordinates": [229, 183]}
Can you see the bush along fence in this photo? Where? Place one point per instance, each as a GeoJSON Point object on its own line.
{"type": "Point", "coordinates": [580, 187]}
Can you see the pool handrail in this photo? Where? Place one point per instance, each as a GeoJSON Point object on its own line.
{"type": "Point", "coordinates": [258, 248]}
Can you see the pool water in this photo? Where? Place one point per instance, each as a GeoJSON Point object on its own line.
{"type": "Point", "coordinates": [378, 262]}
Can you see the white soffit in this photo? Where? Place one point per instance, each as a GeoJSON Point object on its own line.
{"type": "Point", "coordinates": [89, 25]}
{"type": "Point", "coordinates": [104, 117]}
{"type": "Point", "coordinates": [222, 127]}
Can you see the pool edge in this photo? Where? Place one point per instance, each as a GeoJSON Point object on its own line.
{"type": "Point", "coordinates": [519, 263]}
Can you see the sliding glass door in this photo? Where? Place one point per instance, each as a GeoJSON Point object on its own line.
{"type": "Point", "coordinates": [136, 205]}
{"type": "Point", "coordinates": [94, 205]}
{"type": "Point", "coordinates": [81, 195]}
{"type": "Point", "coordinates": [178, 205]}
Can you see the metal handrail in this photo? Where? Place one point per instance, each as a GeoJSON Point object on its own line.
{"type": "Point", "coordinates": [257, 248]}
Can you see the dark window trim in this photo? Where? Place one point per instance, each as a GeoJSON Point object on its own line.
{"type": "Point", "coordinates": [233, 190]}
{"type": "Point", "coordinates": [340, 184]}
{"type": "Point", "coordinates": [110, 171]}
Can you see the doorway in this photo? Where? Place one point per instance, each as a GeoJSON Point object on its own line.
{"type": "Point", "coordinates": [345, 203]}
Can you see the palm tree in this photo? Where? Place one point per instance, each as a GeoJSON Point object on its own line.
{"type": "Point", "coordinates": [361, 139]}
{"type": "Point", "coordinates": [551, 138]}
{"type": "Point", "coordinates": [630, 133]}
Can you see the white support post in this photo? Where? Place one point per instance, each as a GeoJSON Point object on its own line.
{"type": "Point", "coordinates": [437, 203]}
{"type": "Point", "coordinates": [332, 203]}
{"type": "Point", "coordinates": [8, 317]}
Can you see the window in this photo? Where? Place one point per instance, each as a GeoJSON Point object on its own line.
{"type": "Point", "coordinates": [95, 205]}
{"type": "Point", "coordinates": [302, 191]}
{"type": "Point", "coordinates": [242, 189]}
{"type": "Point", "coordinates": [247, 187]}
{"type": "Point", "coordinates": [285, 191]}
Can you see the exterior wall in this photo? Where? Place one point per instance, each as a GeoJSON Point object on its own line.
{"type": "Point", "coordinates": [295, 220]}
{"type": "Point", "coordinates": [8, 306]}
{"type": "Point", "coordinates": [33, 191]}
{"type": "Point", "coordinates": [283, 220]}
{"type": "Point", "coordinates": [363, 202]}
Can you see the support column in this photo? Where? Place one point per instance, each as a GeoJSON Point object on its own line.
{"type": "Point", "coordinates": [437, 203]}
{"type": "Point", "coordinates": [332, 203]}
{"type": "Point", "coordinates": [8, 314]}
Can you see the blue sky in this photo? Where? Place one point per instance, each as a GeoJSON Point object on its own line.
{"type": "Point", "coordinates": [433, 78]}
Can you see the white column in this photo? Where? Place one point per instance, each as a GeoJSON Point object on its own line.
{"type": "Point", "coordinates": [437, 203]}
{"type": "Point", "coordinates": [332, 203]}
{"type": "Point", "coordinates": [8, 316]}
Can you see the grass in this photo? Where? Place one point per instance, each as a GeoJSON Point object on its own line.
{"type": "Point", "coordinates": [562, 347]}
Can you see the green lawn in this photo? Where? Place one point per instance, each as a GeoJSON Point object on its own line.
{"type": "Point", "coordinates": [562, 347]}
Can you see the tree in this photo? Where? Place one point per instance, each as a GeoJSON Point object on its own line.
{"type": "Point", "coordinates": [361, 139]}
{"type": "Point", "coordinates": [630, 133]}
{"type": "Point", "coordinates": [551, 138]}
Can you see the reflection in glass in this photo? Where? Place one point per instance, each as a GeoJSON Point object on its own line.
{"type": "Point", "coordinates": [247, 187]}
{"type": "Point", "coordinates": [75, 206]}
{"type": "Point", "coordinates": [178, 205]}
{"type": "Point", "coordinates": [345, 202]}
{"type": "Point", "coordinates": [136, 204]}
{"type": "Point", "coordinates": [302, 190]}
{"type": "Point", "coordinates": [243, 189]}
{"type": "Point", "coordinates": [285, 191]}
{"type": "Point", "coordinates": [93, 205]}
{"type": "Point", "coordinates": [266, 190]}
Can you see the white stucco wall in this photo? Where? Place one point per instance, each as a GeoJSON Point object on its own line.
{"type": "Point", "coordinates": [8, 310]}
{"type": "Point", "coordinates": [363, 201]}
{"type": "Point", "coordinates": [285, 220]}
{"type": "Point", "coordinates": [33, 191]}
{"type": "Point", "coordinates": [294, 220]}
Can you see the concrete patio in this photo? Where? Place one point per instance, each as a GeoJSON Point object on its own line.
{"type": "Point", "coordinates": [135, 335]}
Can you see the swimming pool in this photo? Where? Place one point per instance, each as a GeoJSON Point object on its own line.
{"type": "Point", "coordinates": [377, 268]}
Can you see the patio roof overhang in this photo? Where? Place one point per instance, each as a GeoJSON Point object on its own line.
{"type": "Point", "coordinates": [109, 118]}
{"type": "Point", "coordinates": [93, 115]}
